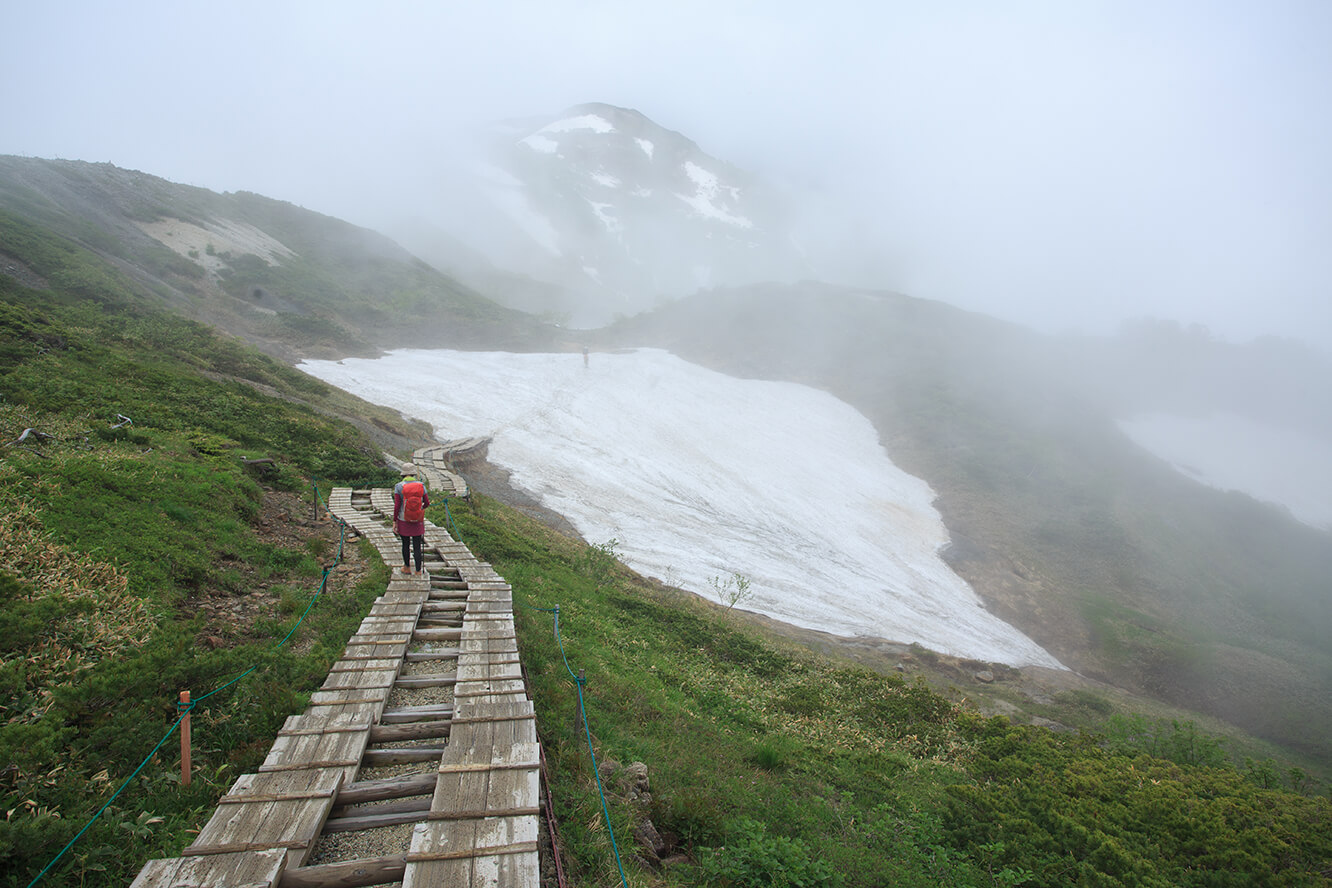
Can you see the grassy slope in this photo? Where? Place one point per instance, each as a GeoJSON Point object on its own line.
{"type": "Point", "coordinates": [346, 289]}
{"type": "Point", "coordinates": [116, 545]}
{"type": "Point", "coordinates": [797, 769]}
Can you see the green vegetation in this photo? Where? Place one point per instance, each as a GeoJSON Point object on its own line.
{"type": "Point", "coordinates": [771, 766]}
{"type": "Point", "coordinates": [124, 546]}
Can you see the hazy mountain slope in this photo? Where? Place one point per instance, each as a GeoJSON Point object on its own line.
{"type": "Point", "coordinates": [1121, 567]}
{"type": "Point", "coordinates": [616, 212]}
{"type": "Point", "coordinates": [288, 279]}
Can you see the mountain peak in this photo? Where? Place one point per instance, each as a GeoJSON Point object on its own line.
{"type": "Point", "coordinates": [607, 204]}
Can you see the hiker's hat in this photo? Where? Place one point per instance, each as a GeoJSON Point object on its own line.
{"type": "Point", "coordinates": [408, 469]}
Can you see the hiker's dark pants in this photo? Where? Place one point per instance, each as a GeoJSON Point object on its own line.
{"type": "Point", "coordinates": [411, 546]}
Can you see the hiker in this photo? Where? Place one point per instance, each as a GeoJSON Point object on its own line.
{"type": "Point", "coordinates": [585, 356]}
{"type": "Point", "coordinates": [409, 504]}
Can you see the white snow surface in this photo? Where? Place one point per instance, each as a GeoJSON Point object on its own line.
{"type": "Point", "coordinates": [647, 146]}
{"type": "Point", "coordinates": [594, 122]}
{"type": "Point", "coordinates": [538, 142]}
{"type": "Point", "coordinates": [698, 475]}
{"type": "Point", "coordinates": [703, 200]}
{"type": "Point", "coordinates": [1232, 452]}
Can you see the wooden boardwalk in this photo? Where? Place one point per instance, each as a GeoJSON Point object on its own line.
{"type": "Point", "coordinates": [480, 826]}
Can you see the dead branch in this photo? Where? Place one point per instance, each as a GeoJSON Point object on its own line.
{"type": "Point", "coordinates": [41, 436]}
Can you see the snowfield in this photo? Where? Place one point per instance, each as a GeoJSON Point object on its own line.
{"type": "Point", "coordinates": [701, 477]}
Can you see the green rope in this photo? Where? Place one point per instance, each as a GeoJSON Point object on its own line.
{"type": "Point", "coordinates": [596, 771]}
{"type": "Point", "coordinates": [127, 782]}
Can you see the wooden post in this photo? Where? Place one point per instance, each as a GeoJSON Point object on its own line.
{"type": "Point", "coordinates": [185, 741]}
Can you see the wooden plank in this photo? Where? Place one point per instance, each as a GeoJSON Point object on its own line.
{"type": "Point", "coordinates": [346, 874]}
{"type": "Point", "coordinates": [419, 730]}
{"type": "Point", "coordinates": [369, 678]}
{"type": "Point", "coordinates": [251, 869]}
{"type": "Point", "coordinates": [423, 656]}
{"type": "Point", "coordinates": [346, 696]}
{"type": "Point", "coordinates": [373, 821]}
{"type": "Point", "coordinates": [360, 664]}
{"type": "Point", "coordinates": [402, 755]}
{"type": "Point", "coordinates": [426, 681]}
{"type": "Point", "coordinates": [500, 852]}
{"type": "Point", "coordinates": [388, 788]}
{"type": "Point", "coordinates": [291, 824]}
{"type": "Point", "coordinates": [416, 714]}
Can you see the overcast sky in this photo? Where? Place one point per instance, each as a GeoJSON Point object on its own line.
{"type": "Point", "coordinates": [1065, 164]}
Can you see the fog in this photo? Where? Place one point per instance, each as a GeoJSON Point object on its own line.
{"type": "Point", "coordinates": [1065, 166]}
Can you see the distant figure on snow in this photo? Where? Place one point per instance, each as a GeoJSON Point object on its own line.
{"type": "Point", "coordinates": [409, 504]}
{"type": "Point", "coordinates": [585, 356]}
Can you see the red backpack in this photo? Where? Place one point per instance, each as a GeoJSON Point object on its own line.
{"type": "Point", "coordinates": [413, 497]}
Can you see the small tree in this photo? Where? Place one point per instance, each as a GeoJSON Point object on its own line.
{"type": "Point", "coordinates": [733, 590]}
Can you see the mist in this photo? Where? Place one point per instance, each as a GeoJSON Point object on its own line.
{"type": "Point", "coordinates": [1065, 167]}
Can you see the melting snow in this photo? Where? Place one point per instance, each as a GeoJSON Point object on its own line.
{"type": "Point", "coordinates": [700, 475]}
{"type": "Point", "coordinates": [1232, 452]}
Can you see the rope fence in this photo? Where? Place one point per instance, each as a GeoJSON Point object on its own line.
{"type": "Point", "coordinates": [580, 681]}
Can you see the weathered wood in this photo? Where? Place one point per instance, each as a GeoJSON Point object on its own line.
{"type": "Point", "coordinates": [416, 713]}
{"type": "Point", "coordinates": [238, 870]}
{"type": "Point", "coordinates": [426, 681]}
{"type": "Point", "coordinates": [437, 635]}
{"type": "Point", "coordinates": [374, 821]}
{"type": "Point", "coordinates": [397, 806]}
{"type": "Point", "coordinates": [404, 755]}
{"type": "Point", "coordinates": [422, 656]}
{"type": "Point", "coordinates": [421, 730]}
{"type": "Point", "coordinates": [388, 788]}
{"type": "Point", "coordinates": [347, 874]}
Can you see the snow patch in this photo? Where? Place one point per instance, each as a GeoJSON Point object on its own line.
{"type": "Point", "coordinates": [601, 177]}
{"type": "Point", "coordinates": [692, 472]}
{"type": "Point", "coordinates": [703, 201]}
{"type": "Point", "coordinates": [541, 144]}
{"type": "Point", "coordinates": [594, 122]}
{"type": "Point", "coordinates": [647, 146]}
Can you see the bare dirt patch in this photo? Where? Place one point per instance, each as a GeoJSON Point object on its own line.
{"type": "Point", "coordinates": [286, 521]}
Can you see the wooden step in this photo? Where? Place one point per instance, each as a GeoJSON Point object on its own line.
{"type": "Point", "coordinates": [418, 730]}
{"type": "Point", "coordinates": [389, 788]}
{"type": "Point", "coordinates": [347, 873]}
